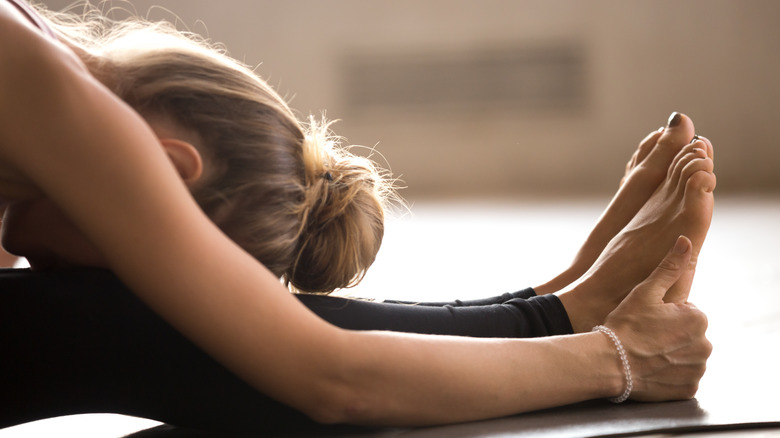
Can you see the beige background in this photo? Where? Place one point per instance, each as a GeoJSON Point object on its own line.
{"type": "Point", "coordinates": [717, 60]}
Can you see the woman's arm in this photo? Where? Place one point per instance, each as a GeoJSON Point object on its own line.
{"type": "Point", "coordinates": [74, 141]}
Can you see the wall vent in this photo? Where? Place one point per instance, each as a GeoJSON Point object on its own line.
{"type": "Point", "coordinates": [525, 77]}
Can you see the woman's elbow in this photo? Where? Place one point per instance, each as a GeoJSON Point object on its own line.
{"type": "Point", "coordinates": [340, 389]}
{"type": "Point", "coordinates": [338, 398]}
{"type": "Point", "coordinates": [340, 409]}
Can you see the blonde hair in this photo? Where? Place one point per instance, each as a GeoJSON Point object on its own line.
{"type": "Point", "coordinates": [285, 191]}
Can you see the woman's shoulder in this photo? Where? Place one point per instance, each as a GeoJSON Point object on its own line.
{"type": "Point", "coordinates": [24, 42]}
{"type": "Point", "coordinates": [32, 16]}
{"type": "Point", "coordinates": [16, 17]}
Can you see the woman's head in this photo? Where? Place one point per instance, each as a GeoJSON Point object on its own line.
{"type": "Point", "coordinates": [286, 192]}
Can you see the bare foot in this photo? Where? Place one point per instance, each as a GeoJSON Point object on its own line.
{"type": "Point", "coordinates": [681, 205]}
{"type": "Point", "coordinates": [645, 172]}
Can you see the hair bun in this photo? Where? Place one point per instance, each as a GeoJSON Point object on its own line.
{"type": "Point", "coordinates": [342, 216]}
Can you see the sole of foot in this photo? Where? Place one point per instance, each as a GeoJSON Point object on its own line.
{"type": "Point", "coordinates": [645, 172]}
{"type": "Point", "coordinates": [681, 205]}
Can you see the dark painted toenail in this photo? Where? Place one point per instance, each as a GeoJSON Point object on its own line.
{"type": "Point", "coordinates": [695, 138]}
{"type": "Point", "coordinates": [674, 120]}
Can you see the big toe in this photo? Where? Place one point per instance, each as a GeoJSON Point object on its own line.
{"type": "Point", "coordinates": [679, 132]}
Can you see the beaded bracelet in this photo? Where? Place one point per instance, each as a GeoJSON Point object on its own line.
{"type": "Point", "coordinates": [623, 358]}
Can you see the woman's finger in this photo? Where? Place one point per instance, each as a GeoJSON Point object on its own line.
{"type": "Point", "coordinates": [667, 273]}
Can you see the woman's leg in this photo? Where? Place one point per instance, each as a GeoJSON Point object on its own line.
{"type": "Point", "coordinates": [78, 341]}
{"type": "Point", "coordinates": [512, 315]}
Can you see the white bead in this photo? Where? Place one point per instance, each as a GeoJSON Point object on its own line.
{"type": "Point", "coordinates": [623, 359]}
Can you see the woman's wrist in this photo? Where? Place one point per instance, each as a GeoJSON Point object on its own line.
{"type": "Point", "coordinates": [608, 368]}
{"type": "Point", "coordinates": [626, 366]}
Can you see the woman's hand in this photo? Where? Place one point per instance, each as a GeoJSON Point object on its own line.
{"type": "Point", "coordinates": [665, 342]}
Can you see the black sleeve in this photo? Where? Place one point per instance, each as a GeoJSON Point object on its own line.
{"type": "Point", "coordinates": [78, 341]}
{"type": "Point", "coordinates": [525, 293]}
{"type": "Point", "coordinates": [505, 316]}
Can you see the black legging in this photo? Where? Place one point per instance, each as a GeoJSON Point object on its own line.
{"type": "Point", "coordinates": [78, 341]}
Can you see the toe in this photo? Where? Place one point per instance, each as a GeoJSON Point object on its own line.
{"type": "Point", "coordinates": [674, 137]}
{"type": "Point", "coordinates": [647, 145]}
{"type": "Point", "coordinates": [697, 206]}
{"type": "Point", "coordinates": [698, 163]}
{"type": "Point", "coordinates": [700, 179]}
{"type": "Point", "coordinates": [687, 154]}
{"type": "Point", "coordinates": [679, 133]}
{"type": "Point", "coordinates": [705, 144]}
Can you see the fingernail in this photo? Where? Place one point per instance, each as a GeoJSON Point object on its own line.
{"type": "Point", "coordinates": [674, 120]}
{"type": "Point", "coordinates": [681, 246]}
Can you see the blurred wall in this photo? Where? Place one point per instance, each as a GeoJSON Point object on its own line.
{"type": "Point", "coordinates": [636, 61]}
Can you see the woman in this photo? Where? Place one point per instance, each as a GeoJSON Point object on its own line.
{"type": "Point", "coordinates": [101, 163]}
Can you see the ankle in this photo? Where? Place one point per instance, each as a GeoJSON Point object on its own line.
{"type": "Point", "coordinates": [583, 316]}
{"type": "Point", "coordinates": [559, 282]}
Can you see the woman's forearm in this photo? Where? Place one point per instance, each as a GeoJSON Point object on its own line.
{"type": "Point", "coordinates": [401, 379]}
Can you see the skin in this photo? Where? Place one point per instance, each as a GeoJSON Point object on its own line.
{"type": "Point", "coordinates": [681, 204]}
{"type": "Point", "coordinates": [645, 171]}
{"type": "Point", "coordinates": [38, 229]}
{"type": "Point", "coordinates": [7, 259]}
{"type": "Point", "coordinates": [101, 164]}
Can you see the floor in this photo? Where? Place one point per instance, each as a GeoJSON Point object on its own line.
{"type": "Point", "coordinates": [500, 246]}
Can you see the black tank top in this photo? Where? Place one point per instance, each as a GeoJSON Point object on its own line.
{"type": "Point", "coordinates": [36, 19]}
